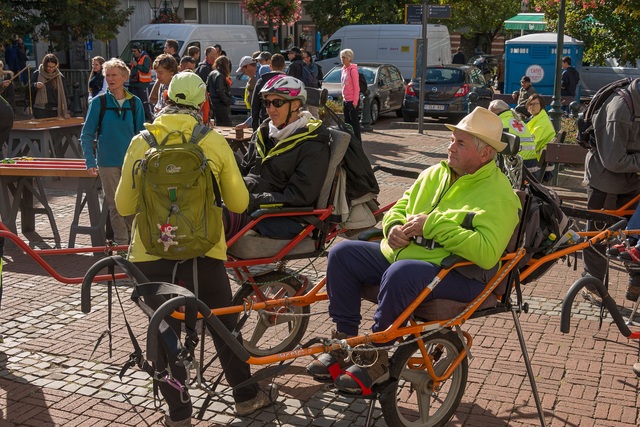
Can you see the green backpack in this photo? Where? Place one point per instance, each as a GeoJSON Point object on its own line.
{"type": "Point", "coordinates": [180, 214]}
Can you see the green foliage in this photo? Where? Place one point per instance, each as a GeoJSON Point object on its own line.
{"type": "Point", "coordinates": [331, 15]}
{"type": "Point", "coordinates": [471, 17]}
{"type": "Point", "coordinates": [609, 29]}
{"type": "Point", "coordinates": [61, 21]}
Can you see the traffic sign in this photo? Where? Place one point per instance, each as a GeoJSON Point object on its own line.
{"type": "Point", "coordinates": [413, 13]}
{"type": "Point", "coordinates": [89, 45]}
{"type": "Point", "coordinates": [440, 12]}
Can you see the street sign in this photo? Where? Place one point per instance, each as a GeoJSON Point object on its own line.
{"type": "Point", "coordinates": [89, 45]}
{"type": "Point", "coordinates": [413, 13]}
{"type": "Point", "coordinates": [440, 12]}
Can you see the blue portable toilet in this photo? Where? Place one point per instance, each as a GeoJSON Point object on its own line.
{"type": "Point", "coordinates": [534, 55]}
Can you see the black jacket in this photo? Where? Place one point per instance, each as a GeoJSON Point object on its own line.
{"type": "Point", "coordinates": [570, 79]}
{"type": "Point", "coordinates": [204, 69]}
{"type": "Point", "coordinates": [295, 69]}
{"type": "Point", "coordinates": [289, 173]}
{"type": "Point", "coordinates": [219, 90]}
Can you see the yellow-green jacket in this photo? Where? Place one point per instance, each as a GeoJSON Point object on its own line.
{"type": "Point", "coordinates": [223, 164]}
{"type": "Point", "coordinates": [487, 193]}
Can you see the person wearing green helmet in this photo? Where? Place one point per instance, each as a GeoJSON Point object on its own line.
{"type": "Point", "coordinates": [185, 96]}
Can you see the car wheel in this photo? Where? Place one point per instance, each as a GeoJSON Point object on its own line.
{"type": "Point", "coordinates": [375, 111]}
{"type": "Point", "coordinates": [408, 118]}
{"type": "Point", "coordinates": [399, 112]}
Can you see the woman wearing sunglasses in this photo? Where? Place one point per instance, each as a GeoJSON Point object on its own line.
{"type": "Point", "coordinates": [287, 159]}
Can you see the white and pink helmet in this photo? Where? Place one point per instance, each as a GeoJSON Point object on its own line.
{"type": "Point", "coordinates": [285, 86]}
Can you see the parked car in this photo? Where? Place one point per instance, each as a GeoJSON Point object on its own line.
{"type": "Point", "coordinates": [447, 90]}
{"type": "Point", "coordinates": [238, 83]}
{"type": "Point", "coordinates": [385, 82]}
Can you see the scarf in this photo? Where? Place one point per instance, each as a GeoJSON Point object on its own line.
{"type": "Point", "coordinates": [41, 94]}
{"type": "Point", "coordinates": [280, 134]}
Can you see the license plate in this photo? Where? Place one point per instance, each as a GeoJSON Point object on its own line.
{"type": "Point", "coordinates": [239, 102]}
{"type": "Point", "coordinates": [432, 107]}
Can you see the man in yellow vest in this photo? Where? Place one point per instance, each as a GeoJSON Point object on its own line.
{"type": "Point", "coordinates": [140, 78]}
{"type": "Point", "coordinates": [514, 125]}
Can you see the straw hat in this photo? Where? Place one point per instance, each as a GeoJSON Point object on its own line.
{"type": "Point", "coordinates": [483, 124]}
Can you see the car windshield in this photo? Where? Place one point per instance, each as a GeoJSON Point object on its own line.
{"type": "Point", "coordinates": [152, 47]}
{"type": "Point", "coordinates": [334, 75]}
{"type": "Point", "coordinates": [445, 75]}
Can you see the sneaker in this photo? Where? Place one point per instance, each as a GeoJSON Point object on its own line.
{"type": "Point", "coordinates": [261, 400]}
{"type": "Point", "coordinates": [328, 366]}
{"type": "Point", "coordinates": [636, 368]}
{"type": "Point", "coordinates": [630, 255]}
{"type": "Point", "coordinates": [369, 368]}
{"type": "Point", "coordinates": [616, 250]}
{"type": "Point", "coordinates": [170, 423]}
{"type": "Point", "coordinates": [633, 293]}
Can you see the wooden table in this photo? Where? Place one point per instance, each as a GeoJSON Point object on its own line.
{"type": "Point", "coordinates": [46, 137]}
{"type": "Point", "coordinates": [235, 142]}
{"type": "Point", "coordinates": [21, 182]}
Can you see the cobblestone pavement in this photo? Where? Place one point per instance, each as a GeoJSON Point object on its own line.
{"type": "Point", "coordinates": [49, 376]}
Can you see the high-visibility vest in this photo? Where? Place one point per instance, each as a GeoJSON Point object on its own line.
{"type": "Point", "coordinates": [143, 77]}
{"type": "Point", "coordinates": [516, 127]}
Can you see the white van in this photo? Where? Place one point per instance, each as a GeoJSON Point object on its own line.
{"type": "Point", "coordinates": [236, 40]}
{"type": "Point", "coordinates": [388, 43]}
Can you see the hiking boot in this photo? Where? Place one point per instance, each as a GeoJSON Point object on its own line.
{"type": "Point", "coordinates": [633, 293]}
{"type": "Point", "coordinates": [630, 255]}
{"type": "Point", "coordinates": [182, 423]}
{"type": "Point", "coordinates": [592, 296]}
{"type": "Point", "coordinates": [369, 368]}
{"type": "Point", "coordinates": [328, 366]}
{"type": "Point", "coordinates": [261, 400]}
{"type": "Point", "coordinates": [636, 368]}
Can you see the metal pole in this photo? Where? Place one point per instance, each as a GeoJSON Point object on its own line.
{"type": "Point", "coordinates": [555, 113]}
{"type": "Point", "coordinates": [423, 66]}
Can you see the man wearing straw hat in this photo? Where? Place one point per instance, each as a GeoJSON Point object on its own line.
{"type": "Point", "coordinates": [463, 206]}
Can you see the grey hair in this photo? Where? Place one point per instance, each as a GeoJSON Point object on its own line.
{"type": "Point", "coordinates": [347, 53]}
{"type": "Point", "coordinates": [497, 106]}
{"type": "Point", "coordinates": [480, 144]}
{"type": "Point", "coordinates": [115, 63]}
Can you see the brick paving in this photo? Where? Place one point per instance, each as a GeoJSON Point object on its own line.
{"type": "Point", "coordinates": [48, 375]}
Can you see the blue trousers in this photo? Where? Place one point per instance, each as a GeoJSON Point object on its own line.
{"type": "Point", "coordinates": [353, 265]}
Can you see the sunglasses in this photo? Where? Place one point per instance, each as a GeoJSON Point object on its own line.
{"type": "Point", "coordinates": [276, 102]}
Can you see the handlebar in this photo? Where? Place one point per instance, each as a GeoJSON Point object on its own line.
{"type": "Point", "coordinates": [128, 267]}
{"type": "Point", "coordinates": [190, 303]}
{"type": "Point", "coordinates": [607, 301]}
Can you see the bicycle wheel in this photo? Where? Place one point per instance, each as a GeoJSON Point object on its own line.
{"type": "Point", "coordinates": [278, 329]}
{"type": "Point", "coordinates": [413, 401]}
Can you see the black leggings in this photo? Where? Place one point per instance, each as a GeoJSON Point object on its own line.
{"type": "Point", "coordinates": [215, 291]}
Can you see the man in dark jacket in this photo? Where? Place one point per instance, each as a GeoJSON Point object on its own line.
{"type": "Point", "coordinates": [297, 63]}
{"type": "Point", "coordinates": [570, 78]}
{"type": "Point", "coordinates": [206, 66]}
{"type": "Point", "coordinates": [286, 161]}
{"type": "Point", "coordinates": [612, 174]}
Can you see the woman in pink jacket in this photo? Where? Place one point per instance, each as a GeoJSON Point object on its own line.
{"type": "Point", "coordinates": [350, 91]}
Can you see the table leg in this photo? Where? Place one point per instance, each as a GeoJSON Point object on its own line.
{"type": "Point", "coordinates": [6, 202]}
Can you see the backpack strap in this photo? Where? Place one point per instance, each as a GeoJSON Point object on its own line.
{"type": "Point", "coordinates": [148, 136]}
{"type": "Point", "coordinates": [103, 109]}
{"type": "Point", "coordinates": [198, 134]}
